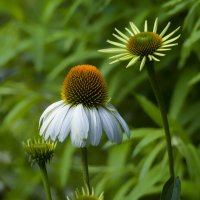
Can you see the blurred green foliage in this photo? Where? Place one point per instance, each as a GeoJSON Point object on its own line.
{"type": "Point", "coordinates": [40, 40]}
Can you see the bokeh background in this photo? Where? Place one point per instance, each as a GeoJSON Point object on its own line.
{"type": "Point", "coordinates": [40, 40]}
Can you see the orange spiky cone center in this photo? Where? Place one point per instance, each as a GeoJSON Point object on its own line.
{"type": "Point", "coordinates": [85, 85]}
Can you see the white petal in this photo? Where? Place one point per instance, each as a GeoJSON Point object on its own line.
{"type": "Point", "coordinates": [171, 40]}
{"type": "Point", "coordinates": [125, 57]}
{"type": "Point", "coordinates": [59, 120]}
{"type": "Point", "coordinates": [134, 28]}
{"type": "Point", "coordinates": [159, 54]}
{"type": "Point", "coordinates": [169, 45]}
{"type": "Point", "coordinates": [116, 44]}
{"type": "Point", "coordinates": [119, 118]}
{"type": "Point", "coordinates": [163, 49]}
{"type": "Point", "coordinates": [133, 61]}
{"type": "Point", "coordinates": [142, 63]}
{"type": "Point", "coordinates": [48, 119]}
{"type": "Point", "coordinates": [129, 31]}
{"type": "Point", "coordinates": [150, 57]}
{"type": "Point", "coordinates": [120, 38]}
{"type": "Point", "coordinates": [170, 34]}
{"type": "Point", "coordinates": [145, 26]}
{"type": "Point", "coordinates": [95, 127]}
{"type": "Point", "coordinates": [50, 109]}
{"type": "Point", "coordinates": [79, 126]}
{"type": "Point", "coordinates": [165, 30]}
{"type": "Point", "coordinates": [110, 125]}
{"type": "Point", "coordinates": [154, 58]}
{"type": "Point", "coordinates": [119, 55]}
{"type": "Point", "coordinates": [50, 129]}
{"type": "Point", "coordinates": [122, 34]}
{"type": "Point", "coordinates": [112, 50]}
{"type": "Point", "coordinates": [66, 125]}
{"type": "Point", "coordinates": [155, 26]}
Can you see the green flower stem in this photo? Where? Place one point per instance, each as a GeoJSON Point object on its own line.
{"type": "Point", "coordinates": [85, 168]}
{"type": "Point", "coordinates": [45, 180]}
{"type": "Point", "coordinates": [157, 93]}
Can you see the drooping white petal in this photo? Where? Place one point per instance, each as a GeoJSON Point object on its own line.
{"type": "Point", "coordinates": [59, 120]}
{"type": "Point", "coordinates": [50, 109]}
{"type": "Point", "coordinates": [133, 61]}
{"type": "Point", "coordinates": [110, 125]}
{"type": "Point", "coordinates": [66, 125]}
{"type": "Point", "coordinates": [95, 126]}
{"type": "Point", "coordinates": [122, 34]}
{"type": "Point", "coordinates": [142, 63]}
{"type": "Point", "coordinates": [165, 30]}
{"type": "Point", "coordinates": [155, 26]}
{"type": "Point", "coordinates": [48, 118]}
{"type": "Point", "coordinates": [145, 26]}
{"type": "Point", "coordinates": [49, 127]}
{"type": "Point", "coordinates": [119, 118]}
{"type": "Point", "coordinates": [79, 126]}
{"type": "Point", "coordinates": [116, 44]}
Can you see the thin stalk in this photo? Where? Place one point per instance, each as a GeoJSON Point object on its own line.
{"type": "Point", "coordinates": [85, 168]}
{"type": "Point", "coordinates": [45, 180]}
{"type": "Point", "coordinates": [159, 98]}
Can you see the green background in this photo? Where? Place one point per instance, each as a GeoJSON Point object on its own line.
{"type": "Point", "coordinates": [40, 40]}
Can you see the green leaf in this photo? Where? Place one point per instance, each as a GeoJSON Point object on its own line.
{"type": "Point", "coordinates": [180, 93]}
{"type": "Point", "coordinates": [171, 189]}
{"type": "Point", "coordinates": [150, 109]}
{"type": "Point", "coordinates": [148, 161]}
{"type": "Point", "coordinates": [20, 109]}
{"type": "Point", "coordinates": [151, 137]}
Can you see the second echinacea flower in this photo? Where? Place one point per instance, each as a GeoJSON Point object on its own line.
{"type": "Point", "coordinates": [84, 111]}
{"type": "Point", "coordinates": [141, 45]}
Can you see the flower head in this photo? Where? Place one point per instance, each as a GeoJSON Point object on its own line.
{"type": "Point", "coordinates": [84, 111]}
{"type": "Point", "coordinates": [85, 195]}
{"type": "Point", "coordinates": [141, 45]}
{"type": "Point", "coordinates": [39, 151]}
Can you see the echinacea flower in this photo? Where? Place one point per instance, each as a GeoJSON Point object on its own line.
{"type": "Point", "coordinates": [39, 151]}
{"type": "Point", "coordinates": [84, 194]}
{"type": "Point", "coordinates": [84, 111]}
{"type": "Point", "coordinates": [141, 45]}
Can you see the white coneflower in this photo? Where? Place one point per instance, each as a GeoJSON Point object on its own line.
{"type": "Point", "coordinates": [84, 111]}
{"type": "Point", "coordinates": [141, 45]}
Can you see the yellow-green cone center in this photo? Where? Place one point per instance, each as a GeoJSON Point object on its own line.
{"type": "Point", "coordinates": [144, 43]}
{"type": "Point", "coordinates": [85, 85]}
